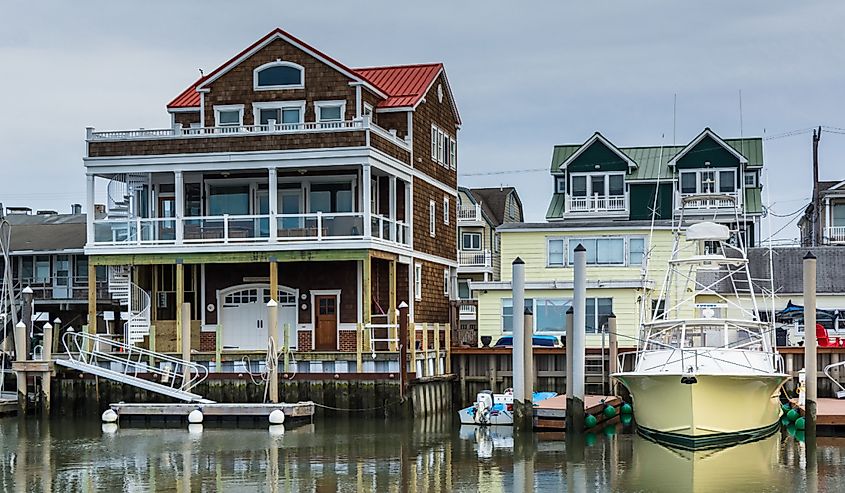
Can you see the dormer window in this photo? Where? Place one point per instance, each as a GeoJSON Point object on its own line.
{"type": "Point", "coordinates": [279, 75]}
{"type": "Point", "coordinates": [592, 192]}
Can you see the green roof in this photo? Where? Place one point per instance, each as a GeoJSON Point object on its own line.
{"type": "Point", "coordinates": [556, 207]}
{"type": "Point", "coordinates": [650, 161]}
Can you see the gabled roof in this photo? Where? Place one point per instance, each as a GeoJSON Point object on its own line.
{"type": "Point", "coordinates": [652, 160]}
{"type": "Point", "coordinates": [47, 233]}
{"type": "Point", "coordinates": [586, 145]}
{"type": "Point", "coordinates": [493, 202]}
{"type": "Point", "coordinates": [704, 134]}
{"type": "Point", "coordinates": [401, 86]}
{"type": "Point", "coordinates": [831, 185]}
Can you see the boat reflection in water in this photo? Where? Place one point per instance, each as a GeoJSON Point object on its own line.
{"type": "Point", "coordinates": [752, 466]}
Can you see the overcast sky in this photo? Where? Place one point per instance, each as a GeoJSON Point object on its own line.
{"type": "Point", "coordinates": [526, 75]}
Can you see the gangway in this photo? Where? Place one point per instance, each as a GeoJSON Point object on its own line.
{"type": "Point", "coordinates": [107, 358]}
{"type": "Point", "coordinates": [840, 394]}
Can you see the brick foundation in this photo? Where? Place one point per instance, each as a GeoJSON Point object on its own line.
{"type": "Point", "coordinates": [347, 340]}
{"type": "Point", "coordinates": [208, 341]}
{"type": "Point", "coordinates": [303, 337]}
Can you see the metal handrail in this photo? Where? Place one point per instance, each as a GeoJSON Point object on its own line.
{"type": "Point", "coordinates": [134, 360]}
{"type": "Point", "coordinates": [835, 382]}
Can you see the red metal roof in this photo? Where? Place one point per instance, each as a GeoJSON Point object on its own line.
{"type": "Point", "coordinates": [404, 85]}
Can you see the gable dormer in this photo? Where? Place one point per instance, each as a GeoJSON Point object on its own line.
{"type": "Point", "coordinates": [709, 165]}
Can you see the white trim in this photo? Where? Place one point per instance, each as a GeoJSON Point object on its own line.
{"type": "Point", "coordinates": [575, 229]}
{"type": "Point", "coordinates": [359, 280]}
{"type": "Point", "coordinates": [626, 247]}
{"type": "Point", "coordinates": [561, 284]}
{"type": "Point", "coordinates": [707, 132]}
{"type": "Point", "coordinates": [446, 210]}
{"type": "Point", "coordinates": [589, 183]}
{"type": "Point", "coordinates": [835, 187]}
{"type": "Point", "coordinates": [463, 248]}
{"type": "Point", "coordinates": [586, 145]}
{"type": "Point", "coordinates": [318, 105]}
{"type": "Point", "coordinates": [432, 218]}
{"type": "Point", "coordinates": [278, 63]}
{"type": "Point", "coordinates": [418, 281]}
{"type": "Point", "coordinates": [325, 292]}
{"type": "Point", "coordinates": [717, 179]}
{"type": "Point", "coordinates": [187, 109]}
{"type": "Point", "coordinates": [228, 107]}
{"type": "Point", "coordinates": [279, 34]}
{"type": "Point", "coordinates": [277, 105]}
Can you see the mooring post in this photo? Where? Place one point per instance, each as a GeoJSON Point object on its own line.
{"type": "Point", "coordinates": [286, 346]}
{"type": "Point", "coordinates": [47, 356]}
{"type": "Point", "coordinates": [273, 316]}
{"type": "Point", "coordinates": [810, 350]}
{"type": "Point", "coordinates": [186, 341]}
{"type": "Point", "coordinates": [614, 354]}
{"type": "Point", "coordinates": [26, 316]}
{"type": "Point", "coordinates": [567, 350]}
{"type": "Point", "coordinates": [575, 399]}
{"type": "Point", "coordinates": [20, 356]}
{"type": "Point", "coordinates": [522, 412]}
{"type": "Point", "coordinates": [403, 349]}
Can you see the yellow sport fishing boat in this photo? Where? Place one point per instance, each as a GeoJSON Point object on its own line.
{"type": "Point", "coordinates": [705, 374]}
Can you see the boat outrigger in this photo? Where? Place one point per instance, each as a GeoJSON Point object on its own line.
{"type": "Point", "coordinates": [705, 374]}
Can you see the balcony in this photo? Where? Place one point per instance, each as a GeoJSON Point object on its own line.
{"type": "Point", "coordinates": [475, 261]}
{"type": "Point", "coordinates": [835, 234]}
{"type": "Point", "coordinates": [271, 229]}
{"type": "Point", "coordinates": [247, 138]}
{"type": "Point", "coordinates": [708, 203]}
{"type": "Point", "coordinates": [604, 204]}
{"type": "Point", "coordinates": [469, 213]}
{"type": "Point", "coordinates": [468, 309]}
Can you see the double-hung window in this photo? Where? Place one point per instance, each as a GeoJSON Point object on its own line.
{"type": "Point", "coordinates": [446, 282]}
{"type": "Point", "coordinates": [708, 181]}
{"type": "Point", "coordinates": [432, 213]}
{"type": "Point", "coordinates": [471, 241]}
{"type": "Point", "coordinates": [445, 210]}
{"type": "Point", "coordinates": [549, 314]}
{"type": "Point", "coordinates": [417, 282]}
{"type": "Point", "coordinates": [444, 149]}
{"type": "Point", "coordinates": [636, 251]}
{"type": "Point", "coordinates": [556, 248]}
{"type": "Point", "coordinates": [600, 251]}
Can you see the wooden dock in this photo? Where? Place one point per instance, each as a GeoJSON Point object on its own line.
{"type": "Point", "coordinates": [829, 412]}
{"type": "Point", "coordinates": [296, 411]}
{"type": "Point", "coordinates": [550, 414]}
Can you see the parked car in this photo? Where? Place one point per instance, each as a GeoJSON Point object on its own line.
{"type": "Point", "coordinates": [537, 341]}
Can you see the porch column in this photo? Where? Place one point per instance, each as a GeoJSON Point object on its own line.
{"type": "Point", "coordinates": [273, 209]}
{"type": "Point", "coordinates": [92, 296]}
{"type": "Point", "coordinates": [827, 225]}
{"type": "Point", "coordinates": [180, 209]}
{"type": "Point", "coordinates": [180, 299]}
{"type": "Point", "coordinates": [366, 289]}
{"type": "Point", "coordinates": [391, 197]}
{"type": "Point", "coordinates": [409, 215]}
{"type": "Point", "coordinates": [89, 221]}
{"type": "Point", "coordinates": [366, 190]}
{"type": "Point", "coordinates": [392, 302]}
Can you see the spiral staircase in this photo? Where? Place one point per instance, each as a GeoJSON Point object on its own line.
{"type": "Point", "coordinates": [136, 300]}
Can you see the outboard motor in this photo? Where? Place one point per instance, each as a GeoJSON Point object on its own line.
{"type": "Point", "coordinates": [483, 406]}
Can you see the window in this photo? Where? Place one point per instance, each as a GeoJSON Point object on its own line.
{"type": "Point", "coordinates": [750, 179]}
{"type": "Point", "coordinates": [42, 269]}
{"type": "Point", "coordinates": [601, 184]}
{"type": "Point", "coordinates": [560, 184]}
{"type": "Point", "coordinates": [598, 311]}
{"type": "Point", "coordinates": [471, 241]}
{"type": "Point", "coordinates": [445, 210]}
{"type": "Point", "coordinates": [838, 214]}
{"type": "Point", "coordinates": [417, 282]}
{"type": "Point", "coordinates": [636, 251]}
{"type": "Point", "coordinates": [432, 213]}
{"type": "Point", "coordinates": [579, 186]}
{"type": "Point", "coordinates": [616, 185]}
{"type": "Point", "coordinates": [727, 181]}
{"type": "Point", "coordinates": [279, 75]}
{"type": "Point", "coordinates": [688, 183]}
{"type": "Point", "coordinates": [330, 111]}
{"type": "Point", "coordinates": [444, 149]}
{"type": "Point", "coordinates": [555, 253]}
{"type": "Point", "coordinates": [453, 154]}
{"type": "Point", "coordinates": [368, 109]}
{"type": "Point", "coordinates": [434, 142]}
{"type": "Point", "coordinates": [80, 268]}
{"type": "Point", "coordinates": [446, 282]}
{"type": "Point", "coordinates": [231, 199]}
{"type": "Point", "coordinates": [507, 312]}
{"type": "Point", "coordinates": [463, 290]}
{"type": "Point", "coordinates": [285, 113]}
{"type": "Point", "coordinates": [27, 268]}
{"type": "Point", "coordinates": [330, 197]}
{"type": "Point", "coordinates": [229, 115]}
{"type": "Point", "coordinates": [708, 181]}
{"type": "Point", "coordinates": [549, 314]}
{"type": "Point", "coordinates": [600, 251]}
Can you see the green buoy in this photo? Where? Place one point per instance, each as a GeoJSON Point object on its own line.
{"type": "Point", "coordinates": [799, 435]}
{"type": "Point", "coordinates": [626, 419]}
{"type": "Point", "coordinates": [793, 414]}
{"type": "Point", "coordinates": [785, 421]}
{"type": "Point", "coordinates": [590, 439]}
{"type": "Point", "coordinates": [590, 421]}
{"type": "Point", "coordinates": [791, 429]}
{"type": "Point", "coordinates": [800, 423]}
{"type": "Point", "coordinates": [609, 431]}
{"type": "Point", "coordinates": [626, 409]}
{"type": "Point", "coordinates": [786, 407]}
{"type": "Point", "coordinates": [609, 411]}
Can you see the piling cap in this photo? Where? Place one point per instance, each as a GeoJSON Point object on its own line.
{"type": "Point", "coordinates": [272, 303]}
{"type": "Point", "coordinates": [27, 290]}
{"type": "Point", "coordinates": [47, 326]}
{"type": "Point", "coordinates": [528, 311]}
{"type": "Point", "coordinates": [518, 261]}
{"type": "Point", "coordinates": [570, 310]}
{"type": "Point", "coordinates": [612, 315]}
{"type": "Point", "coordinates": [57, 320]}
{"type": "Point", "coordinates": [580, 248]}
{"type": "Point", "coordinates": [809, 256]}
{"type": "Point", "coordinates": [403, 305]}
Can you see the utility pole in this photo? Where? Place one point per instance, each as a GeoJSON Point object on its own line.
{"type": "Point", "coordinates": [817, 232]}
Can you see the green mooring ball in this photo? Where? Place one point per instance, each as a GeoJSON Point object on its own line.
{"type": "Point", "coordinates": [800, 423]}
{"type": "Point", "coordinates": [785, 421]}
{"type": "Point", "coordinates": [799, 435]}
{"type": "Point", "coordinates": [590, 439]}
{"type": "Point", "coordinates": [609, 411]}
{"type": "Point", "coordinates": [590, 421]}
{"type": "Point", "coordinates": [793, 414]}
{"type": "Point", "coordinates": [786, 407]}
{"type": "Point", "coordinates": [626, 419]}
{"type": "Point", "coordinates": [627, 409]}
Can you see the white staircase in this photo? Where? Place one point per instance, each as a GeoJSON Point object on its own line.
{"type": "Point", "coordinates": [122, 190]}
{"type": "Point", "coordinates": [135, 299]}
{"type": "Point", "coordinates": [124, 363]}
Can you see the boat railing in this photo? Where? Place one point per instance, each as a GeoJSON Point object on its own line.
{"type": "Point", "coordinates": [690, 356]}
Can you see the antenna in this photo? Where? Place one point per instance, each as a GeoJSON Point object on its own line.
{"type": "Point", "coordinates": [674, 119]}
{"type": "Point", "coordinates": [740, 114]}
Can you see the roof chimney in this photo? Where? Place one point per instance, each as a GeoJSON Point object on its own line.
{"type": "Point", "coordinates": [76, 208]}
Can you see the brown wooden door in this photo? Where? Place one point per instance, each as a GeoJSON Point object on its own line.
{"type": "Point", "coordinates": [325, 329]}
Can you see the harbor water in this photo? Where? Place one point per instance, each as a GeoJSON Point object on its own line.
{"type": "Point", "coordinates": [376, 455]}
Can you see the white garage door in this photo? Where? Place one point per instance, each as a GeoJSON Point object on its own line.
{"type": "Point", "coordinates": [245, 317]}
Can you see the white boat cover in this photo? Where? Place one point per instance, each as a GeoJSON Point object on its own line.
{"type": "Point", "coordinates": [708, 231]}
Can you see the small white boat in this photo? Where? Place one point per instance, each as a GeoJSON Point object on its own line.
{"type": "Point", "coordinates": [495, 409]}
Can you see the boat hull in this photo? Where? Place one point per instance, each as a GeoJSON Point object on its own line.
{"type": "Point", "coordinates": [705, 410]}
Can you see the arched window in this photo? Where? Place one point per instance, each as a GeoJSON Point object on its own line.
{"type": "Point", "coordinates": [279, 75]}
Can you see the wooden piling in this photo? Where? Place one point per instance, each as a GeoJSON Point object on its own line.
{"type": "Point", "coordinates": [810, 348]}
{"type": "Point", "coordinates": [577, 351]}
{"type": "Point", "coordinates": [614, 354]}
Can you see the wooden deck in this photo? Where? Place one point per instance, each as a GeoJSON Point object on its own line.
{"type": "Point", "coordinates": [550, 414]}
{"type": "Point", "coordinates": [829, 411]}
{"type": "Point", "coordinates": [299, 410]}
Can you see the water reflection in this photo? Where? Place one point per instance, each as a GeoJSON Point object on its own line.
{"type": "Point", "coordinates": [387, 456]}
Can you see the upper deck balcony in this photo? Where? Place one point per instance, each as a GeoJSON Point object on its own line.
{"type": "Point", "coordinates": [361, 132]}
{"type": "Point", "coordinates": [597, 204]}
{"type": "Point", "coordinates": [470, 214]}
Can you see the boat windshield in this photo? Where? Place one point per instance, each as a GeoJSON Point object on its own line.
{"type": "Point", "coordinates": [723, 334]}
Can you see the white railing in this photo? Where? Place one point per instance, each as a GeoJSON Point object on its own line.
{"type": "Point", "coordinates": [179, 132]}
{"type": "Point", "coordinates": [597, 203]}
{"type": "Point", "coordinates": [835, 233]}
{"type": "Point", "coordinates": [469, 212]}
{"type": "Point", "coordinates": [718, 201]}
{"type": "Point", "coordinates": [388, 135]}
{"type": "Point", "coordinates": [467, 312]}
{"type": "Point", "coordinates": [255, 228]}
{"type": "Point", "coordinates": [475, 258]}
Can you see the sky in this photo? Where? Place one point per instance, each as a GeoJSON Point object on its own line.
{"type": "Point", "coordinates": [526, 76]}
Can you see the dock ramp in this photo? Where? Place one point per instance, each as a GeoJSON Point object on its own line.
{"type": "Point", "coordinates": [106, 358]}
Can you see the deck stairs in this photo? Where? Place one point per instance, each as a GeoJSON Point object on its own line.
{"type": "Point", "coordinates": [120, 362]}
{"type": "Point", "coordinates": [122, 192]}
{"type": "Point", "coordinates": [135, 300]}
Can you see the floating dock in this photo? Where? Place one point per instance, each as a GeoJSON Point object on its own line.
{"type": "Point", "coordinates": [550, 414]}
{"type": "Point", "coordinates": [296, 411]}
{"type": "Point", "coordinates": [829, 412]}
